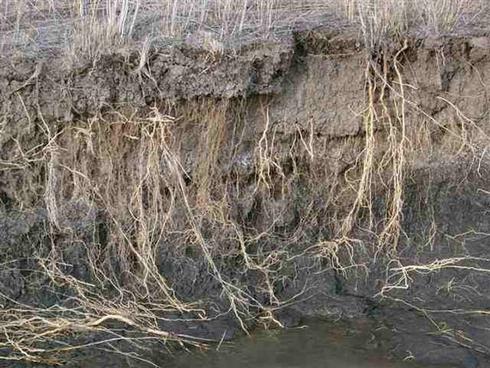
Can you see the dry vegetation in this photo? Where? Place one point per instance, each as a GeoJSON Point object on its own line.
{"type": "Point", "coordinates": [147, 202]}
{"type": "Point", "coordinates": [90, 27]}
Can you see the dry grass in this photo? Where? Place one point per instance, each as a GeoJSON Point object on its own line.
{"type": "Point", "coordinates": [387, 18]}
{"type": "Point", "coordinates": [90, 27]}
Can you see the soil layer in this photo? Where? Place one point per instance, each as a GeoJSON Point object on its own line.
{"type": "Point", "coordinates": [304, 177]}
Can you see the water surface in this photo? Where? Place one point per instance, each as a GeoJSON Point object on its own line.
{"type": "Point", "coordinates": [317, 345]}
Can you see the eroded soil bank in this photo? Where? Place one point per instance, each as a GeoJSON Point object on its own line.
{"type": "Point", "coordinates": [182, 195]}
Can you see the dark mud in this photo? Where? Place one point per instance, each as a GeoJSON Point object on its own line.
{"type": "Point", "coordinates": [312, 90]}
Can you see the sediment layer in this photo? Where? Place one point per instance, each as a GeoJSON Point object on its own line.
{"type": "Point", "coordinates": [302, 177]}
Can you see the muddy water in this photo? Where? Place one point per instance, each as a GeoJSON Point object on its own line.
{"type": "Point", "coordinates": [315, 345]}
